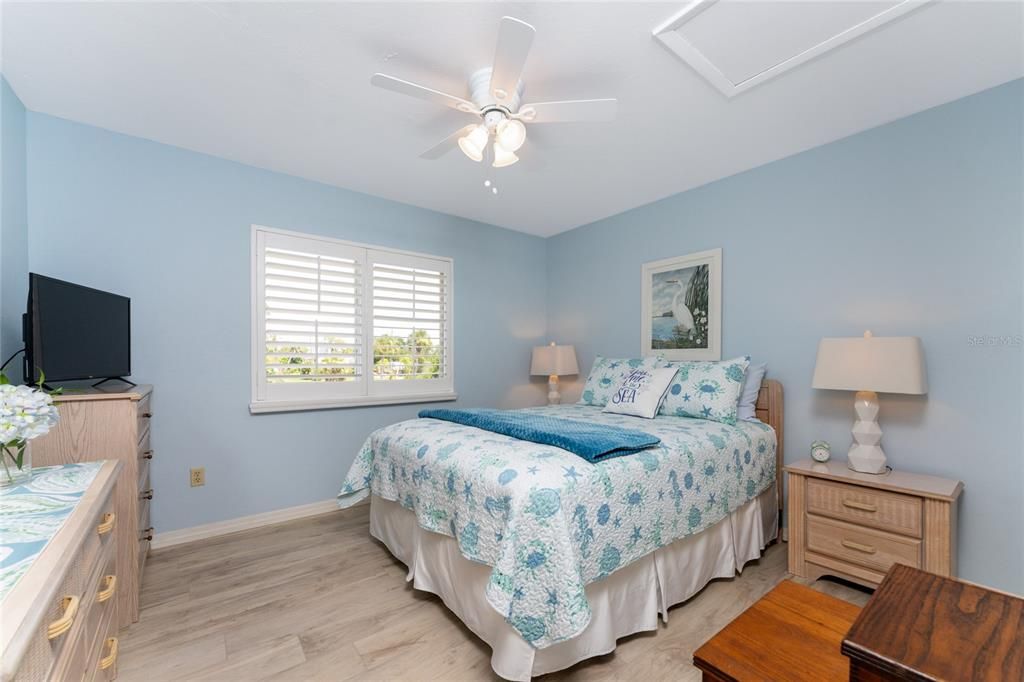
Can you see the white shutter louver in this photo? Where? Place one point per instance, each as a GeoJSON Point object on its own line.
{"type": "Point", "coordinates": [313, 322]}
{"type": "Point", "coordinates": [410, 313]}
{"type": "Point", "coordinates": [336, 324]}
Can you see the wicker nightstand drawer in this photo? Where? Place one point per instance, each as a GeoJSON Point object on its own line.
{"type": "Point", "coordinates": [865, 547]}
{"type": "Point", "coordinates": [888, 511]}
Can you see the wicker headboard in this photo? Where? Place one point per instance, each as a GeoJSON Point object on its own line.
{"type": "Point", "coordinates": [769, 410]}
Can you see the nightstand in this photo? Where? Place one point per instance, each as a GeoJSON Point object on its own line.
{"type": "Point", "coordinates": [856, 526]}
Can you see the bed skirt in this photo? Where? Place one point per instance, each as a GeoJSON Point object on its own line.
{"type": "Point", "coordinates": [626, 602]}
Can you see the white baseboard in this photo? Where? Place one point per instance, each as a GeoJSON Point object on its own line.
{"type": "Point", "coordinates": [212, 530]}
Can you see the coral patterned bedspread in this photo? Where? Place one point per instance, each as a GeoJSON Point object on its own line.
{"type": "Point", "coordinates": [547, 521]}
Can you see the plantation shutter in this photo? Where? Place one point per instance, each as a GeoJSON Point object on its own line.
{"type": "Point", "coordinates": [336, 323]}
{"type": "Point", "coordinates": [411, 322]}
{"type": "Point", "coordinates": [313, 335]}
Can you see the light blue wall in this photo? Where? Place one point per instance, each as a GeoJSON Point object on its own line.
{"type": "Point", "coordinates": [913, 228]}
{"type": "Point", "coordinates": [13, 226]}
{"type": "Point", "coordinates": [171, 229]}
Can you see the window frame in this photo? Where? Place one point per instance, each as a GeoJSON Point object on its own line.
{"type": "Point", "coordinates": [357, 394]}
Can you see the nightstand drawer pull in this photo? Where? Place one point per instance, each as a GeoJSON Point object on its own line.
{"type": "Point", "coordinates": [111, 658]}
{"type": "Point", "coordinates": [146, 494]}
{"type": "Point", "coordinates": [147, 535]}
{"type": "Point", "coordinates": [107, 524]}
{"type": "Point", "coordinates": [63, 624]}
{"type": "Point", "coordinates": [863, 506]}
{"type": "Point", "coordinates": [148, 454]}
{"type": "Point", "coordinates": [850, 544]}
{"type": "Point", "coordinates": [110, 584]}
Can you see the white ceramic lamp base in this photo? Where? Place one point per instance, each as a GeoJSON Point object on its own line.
{"type": "Point", "coordinates": [866, 455]}
{"type": "Point", "coordinates": [554, 397]}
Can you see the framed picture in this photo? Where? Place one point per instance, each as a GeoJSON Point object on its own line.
{"type": "Point", "coordinates": [682, 307]}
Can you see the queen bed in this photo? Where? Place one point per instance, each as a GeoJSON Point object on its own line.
{"type": "Point", "coordinates": [549, 558]}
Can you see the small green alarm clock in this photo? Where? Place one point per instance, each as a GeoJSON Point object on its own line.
{"type": "Point", "coordinates": [820, 451]}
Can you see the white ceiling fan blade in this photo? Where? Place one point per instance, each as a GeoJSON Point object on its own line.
{"type": "Point", "coordinates": [569, 111]}
{"type": "Point", "coordinates": [400, 86]}
{"type": "Point", "coordinates": [514, 40]}
{"type": "Point", "coordinates": [447, 144]}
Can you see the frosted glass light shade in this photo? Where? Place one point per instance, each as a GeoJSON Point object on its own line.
{"type": "Point", "coordinates": [511, 134]}
{"type": "Point", "coordinates": [554, 360]}
{"type": "Point", "coordinates": [503, 158]}
{"type": "Point", "coordinates": [473, 144]}
{"type": "Point", "coordinates": [884, 364]}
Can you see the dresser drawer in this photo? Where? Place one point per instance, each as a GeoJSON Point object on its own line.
{"type": "Point", "coordinates": [865, 507]}
{"type": "Point", "coordinates": [867, 547]}
{"type": "Point", "coordinates": [145, 412]}
{"type": "Point", "coordinates": [145, 448]}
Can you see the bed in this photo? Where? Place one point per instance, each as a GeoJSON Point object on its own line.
{"type": "Point", "coordinates": [550, 559]}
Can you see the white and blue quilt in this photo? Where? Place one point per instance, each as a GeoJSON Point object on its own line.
{"type": "Point", "coordinates": [548, 522]}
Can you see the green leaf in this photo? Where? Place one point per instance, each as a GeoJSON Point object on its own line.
{"type": "Point", "coordinates": [4, 379]}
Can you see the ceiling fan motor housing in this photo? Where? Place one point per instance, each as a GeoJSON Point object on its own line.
{"type": "Point", "coordinates": [484, 99]}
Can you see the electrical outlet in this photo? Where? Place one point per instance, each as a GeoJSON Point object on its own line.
{"type": "Point", "coordinates": [197, 476]}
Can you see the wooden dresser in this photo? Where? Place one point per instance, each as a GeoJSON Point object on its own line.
{"type": "Point", "coordinates": [856, 526]}
{"type": "Point", "coordinates": [59, 619]}
{"type": "Point", "coordinates": [108, 424]}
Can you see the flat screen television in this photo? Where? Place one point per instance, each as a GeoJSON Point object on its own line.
{"type": "Point", "coordinates": [74, 332]}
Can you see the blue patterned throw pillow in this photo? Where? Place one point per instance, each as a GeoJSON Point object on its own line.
{"type": "Point", "coordinates": [606, 376]}
{"type": "Point", "coordinates": [706, 390]}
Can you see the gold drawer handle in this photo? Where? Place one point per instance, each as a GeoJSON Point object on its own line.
{"type": "Point", "coordinates": [863, 506]}
{"type": "Point", "coordinates": [110, 658]}
{"type": "Point", "coordinates": [867, 549]}
{"type": "Point", "coordinates": [63, 624]}
{"type": "Point", "coordinates": [107, 524]}
{"type": "Point", "coordinates": [110, 582]}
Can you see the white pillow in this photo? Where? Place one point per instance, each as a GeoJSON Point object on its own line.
{"type": "Point", "coordinates": [641, 392]}
{"type": "Point", "coordinates": [606, 374]}
{"type": "Point", "coordinates": [747, 409]}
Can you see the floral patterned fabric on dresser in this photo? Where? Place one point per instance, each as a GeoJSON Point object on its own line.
{"type": "Point", "coordinates": [32, 513]}
{"type": "Point", "coordinates": [548, 522]}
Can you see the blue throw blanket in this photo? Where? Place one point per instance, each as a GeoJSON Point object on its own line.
{"type": "Point", "coordinates": [592, 442]}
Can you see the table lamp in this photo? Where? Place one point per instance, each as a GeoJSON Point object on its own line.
{"type": "Point", "coordinates": [870, 365]}
{"type": "Point", "coordinates": [554, 361]}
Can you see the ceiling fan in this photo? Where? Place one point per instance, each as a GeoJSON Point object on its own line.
{"type": "Point", "coordinates": [496, 99]}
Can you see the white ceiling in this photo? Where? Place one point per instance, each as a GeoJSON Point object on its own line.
{"type": "Point", "coordinates": [285, 86]}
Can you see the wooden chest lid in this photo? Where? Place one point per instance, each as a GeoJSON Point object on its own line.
{"type": "Point", "coordinates": [922, 626]}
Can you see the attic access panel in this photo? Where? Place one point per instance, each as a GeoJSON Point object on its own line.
{"type": "Point", "coordinates": [737, 45]}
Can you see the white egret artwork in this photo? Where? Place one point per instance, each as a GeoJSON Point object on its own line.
{"type": "Point", "coordinates": [682, 307]}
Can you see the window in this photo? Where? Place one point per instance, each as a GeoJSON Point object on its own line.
{"type": "Point", "coordinates": [339, 324]}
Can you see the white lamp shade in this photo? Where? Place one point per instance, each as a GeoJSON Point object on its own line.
{"type": "Point", "coordinates": [886, 364]}
{"type": "Point", "coordinates": [473, 144]}
{"type": "Point", "coordinates": [510, 134]}
{"type": "Point", "coordinates": [557, 360]}
{"type": "Point", "coordinates": [502, 157]}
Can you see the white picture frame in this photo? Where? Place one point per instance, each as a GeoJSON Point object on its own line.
{"type": "Point", "coordinates": [666, 287]}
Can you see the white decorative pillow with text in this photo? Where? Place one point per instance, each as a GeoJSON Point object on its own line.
{"type": "Point", "coordinates": [606, 375]}
{"type": "Point", "coordinates": [640, 392]}
{"type": "Point", "coordinates": [706, 390]}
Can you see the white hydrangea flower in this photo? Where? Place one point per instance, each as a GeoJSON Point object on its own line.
{"type": "Point", "coordinates": [26, 412]}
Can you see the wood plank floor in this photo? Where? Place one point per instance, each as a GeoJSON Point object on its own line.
{"type": "Point", "coordinates": [318, 599]}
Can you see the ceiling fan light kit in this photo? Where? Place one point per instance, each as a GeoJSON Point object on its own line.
{"type": "Point", "coordinates": [473, 144]}
{"type": "Point", "coordinates": [503, 157]}
{"type": "Point", "coordinates": [495, 98]}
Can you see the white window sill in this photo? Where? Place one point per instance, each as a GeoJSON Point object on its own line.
{"type": "Point", "coordinates": [263, 407]}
